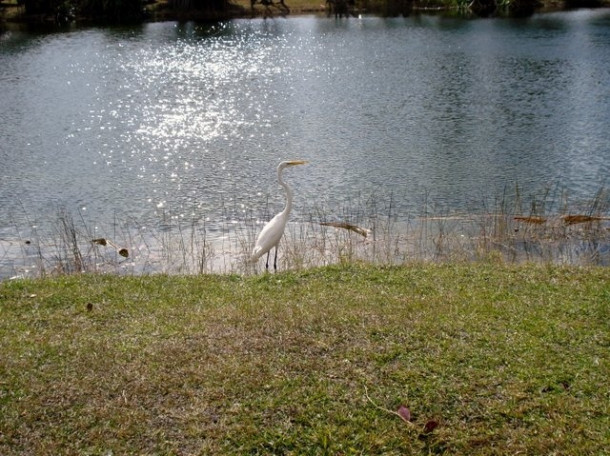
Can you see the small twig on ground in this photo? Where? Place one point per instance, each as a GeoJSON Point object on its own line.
{"type": "Point", "coordinates": [366, 393]}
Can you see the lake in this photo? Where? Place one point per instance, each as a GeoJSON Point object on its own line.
{"type": "Point", "coordinates": [149, 126]}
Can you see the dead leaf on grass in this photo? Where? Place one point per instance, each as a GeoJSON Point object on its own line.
{"type": "Point", "coordinates": [430, 426]}
{"type": "Point", "coordinates": [404, 413]}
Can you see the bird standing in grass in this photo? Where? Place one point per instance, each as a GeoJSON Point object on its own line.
{"type": "Point", "coordinates": [272, 232]}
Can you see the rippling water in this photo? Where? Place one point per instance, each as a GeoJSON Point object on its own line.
{"type": "Point", "coordinates": [167, 120]}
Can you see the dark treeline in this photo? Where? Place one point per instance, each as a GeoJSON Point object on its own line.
{"type": "Point", "coordinates": [118, 11]}
{"type": "Point", "coordinates": [129, 11]}
{"type": "Point", "coordinates": [481, 8]}
{"type": "Point", "coordinates": [64, 10]}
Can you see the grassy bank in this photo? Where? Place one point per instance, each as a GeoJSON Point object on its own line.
{"type": "Point", "coordinates": [487, 358]}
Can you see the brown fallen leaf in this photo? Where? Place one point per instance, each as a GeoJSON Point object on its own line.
{"type": "Point", "coordinates": [404, 413]}
{"type": "Point", "coordinates": [430, 426]}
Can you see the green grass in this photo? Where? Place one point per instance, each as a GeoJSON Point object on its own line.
{"type": "Point", "coordinates": [507, 360]}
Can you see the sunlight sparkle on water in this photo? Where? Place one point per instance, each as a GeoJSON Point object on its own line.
{"type": "Point", "coordinates": [191, 120]}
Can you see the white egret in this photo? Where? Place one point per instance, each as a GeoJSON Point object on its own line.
{"type": "Point", "coordinates": [272, 232]}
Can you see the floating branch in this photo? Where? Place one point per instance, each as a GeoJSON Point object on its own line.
{"type": "Point", "coordinates": [574, 219]}
{"type": "Point", "coordinates": [348, 226]}
{"type": "Point", "coordinates": [533, 220]}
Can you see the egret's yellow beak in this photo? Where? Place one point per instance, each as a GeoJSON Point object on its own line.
{"type": "Point", "coordinates": [297, 162]}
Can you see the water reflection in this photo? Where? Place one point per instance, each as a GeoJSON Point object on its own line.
{"type": "Point", "coordinates": [188, 121]}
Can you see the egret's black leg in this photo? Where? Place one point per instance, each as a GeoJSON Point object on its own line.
{"type": "Point", "coordinates": [267, 263]}
{"type": "Point", "coordinates": [275, 260]}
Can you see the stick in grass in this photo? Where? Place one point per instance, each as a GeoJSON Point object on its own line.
{"type": "Point", "coordinates": [403, 412]}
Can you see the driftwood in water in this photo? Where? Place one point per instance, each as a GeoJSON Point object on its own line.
{"type": "Point", "coordinates": [567, 219]}
{"type": "Point", "coordinates": [348, 226]}
{"type": "Point", "coordinates": [532, 220]}
{"type": "Point", "coordinates": [574, 219]}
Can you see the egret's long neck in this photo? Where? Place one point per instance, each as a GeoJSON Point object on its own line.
{"type": "Point", "coordinates": [288, 190]}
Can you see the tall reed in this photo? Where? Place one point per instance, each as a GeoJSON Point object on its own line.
{"type": "Point", "coordinates": [511, 228]}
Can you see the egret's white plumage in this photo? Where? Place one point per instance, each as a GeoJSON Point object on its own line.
{"type": "Point", "coordinates": [272, 232]}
